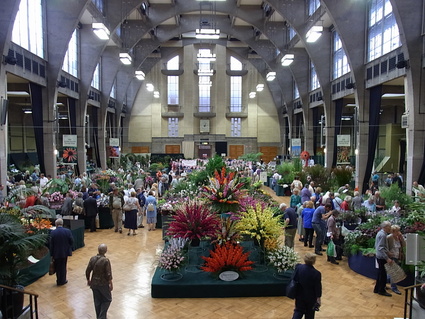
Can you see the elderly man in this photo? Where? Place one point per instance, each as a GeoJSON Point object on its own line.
{"type": "Point", "coordinates": [61, 242]}
{"type": "Point", "coordinates": [383, 256]}
{"type": "Point", "coordinates": [291, 221]}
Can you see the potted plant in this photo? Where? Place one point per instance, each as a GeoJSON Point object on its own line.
{"type": "Point", "coordinates": [16, 245]}
{"type": "Point", "coordinates": [283, 258]}
{"type": "Point", "coordinates": [195, 221]}
{"type": "Point", "coordinates": [172, 259]}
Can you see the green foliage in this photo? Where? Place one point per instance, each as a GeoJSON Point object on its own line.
{"type": "Point", "coordinates": [298, 165]}
{"type": "Point", "coordinates": [287, 171]}
{"type": "Point", "coordinates": [342, 175]}
{"type": "Point", "coordinates": [198, 178]}
{"type": "Point", "coordinates": [393, 193]}
{"type": "Point", "coordinates": [320, 175]}
{"type": "Point", "coordinates": [154, 167]}
{"type": "Point", "coordinates": [253, 157]}
{"type": "Point", "coordinates": [58, 185]}
{"type": "Point", "coordinates": [214, 164]}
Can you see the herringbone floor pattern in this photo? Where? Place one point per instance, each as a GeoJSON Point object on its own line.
{"type": "Point", "coordinates": [346, 295]}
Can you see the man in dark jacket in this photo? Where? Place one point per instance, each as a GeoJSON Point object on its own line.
{"type": "Point", "coordinates": [61, 242]}
{"type": "Point", "coordinates": [309, 292]}
{"type": "Point", "coordinates": [91, 210]}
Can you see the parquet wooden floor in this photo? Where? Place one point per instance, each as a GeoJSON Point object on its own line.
{"type": "Point", "coordinates": [345, 294]}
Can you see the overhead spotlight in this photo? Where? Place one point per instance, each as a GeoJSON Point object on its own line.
{"type": "Point", "coordinates": [271, 76]}
{"type": "Point", "coordinates": [140, 75]}
{"type": "Point", "coordinates": [125, 58]}
{"type": "Point", "coordinates": [213, 34]}
{"type": "Point", "coordinates": [150, 87]}
{"type": "Point", "coordinates": [9, 59]}
{"type": "Point", "coordinates": [287, 59]}
{"type": "Point", "coordinates": [62, 84]}
{"type": "Point", "coordinates": [314, 33]}
{"type": "Point", "coordinates": [27, 110]}
{"type": "Point", "coordinates": [252, 95]}
{"type": "Point", "coordinates": [350, 86]}
{"type": "Point", "coordinates": [100, 30]}
{"type": "Point", "coordinates": [156, 94]}
{"type": "Point", "coordinates": [259, 87]}
{"type": "Point", "coordinates": [402, 64]}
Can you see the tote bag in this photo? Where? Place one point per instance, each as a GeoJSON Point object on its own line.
{"type": "Point", "coordinates": [293, 286]}
{"type": "Point", "coordinates": [395, 272]}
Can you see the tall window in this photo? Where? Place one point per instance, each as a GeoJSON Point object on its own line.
{"type": "Point", "coordinates": [98, 4]}
{"type": "Point", "coordinates": [28, 27]}
{"type": "Point", "coordinates": [383, 33]}
{"type": "Point", "coordinates": [204, 85]}
{"type": "Point", "coordinates": [314, 80]}
{"type": "Point", "coordinates": [340, 62]}
{"type": "Point", "coordinates": [95, 82]}
{"type": "Point", "coordinates": [235, 127]}
{"type": "Point", "coordinates": [296, 92]}
{"type": "Point", "coordinates": [235, 86]}
{"type": "Point", "coordinates": [292, 33]}
{"type": "Point", "coordinates": [173, 82]}
{"type": "Point", "coordinates": [114, 90]}
{"type": "Point", "coordinates": [173, 127]}
{"type": "Point", "coordinates": [70, 62]}
{"type": "Point", "coordinates": [313, 5]}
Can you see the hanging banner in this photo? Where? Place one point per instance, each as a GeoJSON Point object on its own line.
{"type": "Point", "coordinates": [114, 151]}
{"type": "Point", "coordinates": [114, 141]}
{"type": "Point", "coordinates": [343, 143]}
{"type": "Point", "coordinates": [296, 146]}
{"type": "Point", "coordinates": [69, 140]}
{"type": "Point", "coordinates": [69, 155]}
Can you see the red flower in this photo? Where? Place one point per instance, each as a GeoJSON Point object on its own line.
{"type": "Point", "coordinates": [227, 257]}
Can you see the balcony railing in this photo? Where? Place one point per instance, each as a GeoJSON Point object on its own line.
{"type": "Point", "coordinates": [12, 307]}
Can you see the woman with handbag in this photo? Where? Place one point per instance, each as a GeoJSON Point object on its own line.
{"type": "Point", "coordinates": [131, 208]}
{"type": "Point", "coordinates": [396, 245]}
{"type": "Point", "coordinates": [151, 211]}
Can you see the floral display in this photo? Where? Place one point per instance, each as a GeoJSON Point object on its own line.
{"type": "Point", "coordinates": [38, 226]}
{"type": "Point", "coordinates": [224, 191]}
{"type": "Point", "coordinates": [172, 258]}
{"type": "Point", "coordinates": [283, 258]}
{"type": "Point", "coordinates": [193, 219]}
{"type": "Point", "coordinates": [260, 224]}
{"type": "Point", "coordinates": [56, 197]}
{"type": "Point", "coordinates": [227, 257]}
{"type": "Point", "coordinates": [228, 232]}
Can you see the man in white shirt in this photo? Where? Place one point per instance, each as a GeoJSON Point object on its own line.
{"type": "Point", "coordinates": [43, 181]}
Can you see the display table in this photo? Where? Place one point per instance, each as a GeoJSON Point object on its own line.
{"type": "Point", "coordinates": [31, 273]}
{"type": "Point", "coordinates": [77, 228]}
{"type": "Point", "coordinates": [195, 283]}
{"type": "Point", "coordinates": [105, 218]}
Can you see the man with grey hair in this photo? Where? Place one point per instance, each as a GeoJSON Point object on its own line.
{"type": "Point", "coordinates": [383, 256]}
{"type": "Point", "coordinates": [61, 242]}
{"type": "Point", "coordinates": [291, 221]}
{"type": "Point", "coordinates": [101, 281]}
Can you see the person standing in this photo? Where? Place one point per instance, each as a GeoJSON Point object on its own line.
{"type": "Point", "coordinates": [397, 246]}
{"type": "Point", "coordinates": [320, 214]}
{"type": "Point", "coordinates": [291, 220]}
{"type": "Point", "coordinates": [382, 257]}
{"type": "Point", "coordinates": [116, 201]}
{"type": "Point", "coordinates": [130, 221]}
{"type": "Point", "coordinates": [307, 215]}
{"type": "Point", "coordinates": [334, 235]}
{"type": "Point", "coordinates": [91, 210]}
{"type": "Point", "coordinates": [100, 282]}
{"type": "Point", "coordinates": [142, 200]}
{"type": "Point", "coordinates": [151, 214]}
{"type": "Point", "coordinates": [66, 209]}
{"type": "Point", "coordinates": [61, 242]}
{"type": "Point", "coordinates": [309, 292]}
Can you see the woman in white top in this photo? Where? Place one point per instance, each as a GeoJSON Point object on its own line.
{"type": "Point", "coordinates": [396, 244]}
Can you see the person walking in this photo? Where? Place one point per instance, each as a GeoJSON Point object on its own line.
{"type": "Point", "coordinates": [116, 202]}
{"type": "Point", "coordinates": [291, 220]}
{"type": "Point", "coordinates": [318, 221]}
{"type": "Point", "coordinates": [383, 256]}
{"type": "Point", "coordinates": [151, 211]}
{"type": "Point", "coordinates": [309, 292]}
{"type": "Point", "coordinates": [99, 268]}
{"type": "Point", "coordinates": [130, 221]}
{"type": "Point", "coordinates": [91, 210]}
{"type": "Point", "coordinates": [61, 242]}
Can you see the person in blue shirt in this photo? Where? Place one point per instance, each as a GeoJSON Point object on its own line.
{"type": "Point", "coordinates": [319, 225]}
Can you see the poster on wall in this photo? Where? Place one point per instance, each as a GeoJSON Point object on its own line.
{"type": "Point", "coordinates": [69, 150]}
{"type": "Point", "coordinates": [296, 146]}
{"type": "Point", "coordinates": [114, 148]}
{"type": "Point", "coordinates": [343, 146]}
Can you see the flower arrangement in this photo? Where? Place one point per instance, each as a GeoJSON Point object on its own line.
{"type": "Point", "coordinates": [172, 258]}
{"type": "Point", "coordinates": [56, 197]}
{"type": "Point", "coordinates": [260, 224]}
{"type": "Point", "coordinates": [228, 231]}
{"type": "Point", "coordinates": [283, 258]}
{"type": "Point", "coordinates": [227, 257]}
{"type": "Point", "coordinates": [193, 219]}
{"type": "Point", "coordinates": [224, 190]}
{"type": "Point", "coordinates": [38, 226]}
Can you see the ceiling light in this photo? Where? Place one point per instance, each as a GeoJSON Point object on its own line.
{"type": "Point", "coordinates": [287, 59]}
{"type": "Point", "coordinates": [314, 33]}
{"type": "Point", "coordinates": [125, 58]}
{"type": "Point", "coordinates": [156, 94]}
{"type": "Point", "coordinates": [271, 76]}
{"type": "Point", "coordinates": [101, 31]}
{"type": "Point", "coordinates": [259, 87]}
{"type": "Point", "coordinates": [393, 95]}
{"type": "Point", "coordinates": [17, 93]}
{"type": "Point", "coordinates": [252, 95]}
{"type": "Point", "coordinates": [150, 87]}
{"type": "Point", "coordinates": [140, 75]}
{"type": "Point", "coordinates": [207, 33]}
{"type": "Point", "coordinates": [27, 111]}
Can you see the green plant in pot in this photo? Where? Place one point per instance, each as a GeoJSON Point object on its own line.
{"type": "Point", "coordinates": [15, 247]}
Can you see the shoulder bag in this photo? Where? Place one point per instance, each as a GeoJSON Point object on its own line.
{"type": "Point", "coordinates": [293, 286]}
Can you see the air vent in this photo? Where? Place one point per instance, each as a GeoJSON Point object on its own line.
{"type": "Point", "coordinates": [404, 121]}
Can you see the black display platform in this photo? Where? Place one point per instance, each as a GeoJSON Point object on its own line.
{"type": "Point", "coordinates": [195, 283]}
{"type": "Point", "coordinates": [205, 285]}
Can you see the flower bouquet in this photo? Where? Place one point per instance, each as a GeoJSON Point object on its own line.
{"type": "Point", "coordinates": [283, 258]}
{"type": "Point", "coordinates": [227, 257]}
{"type": "Point", "coordinates": [172, 259]}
